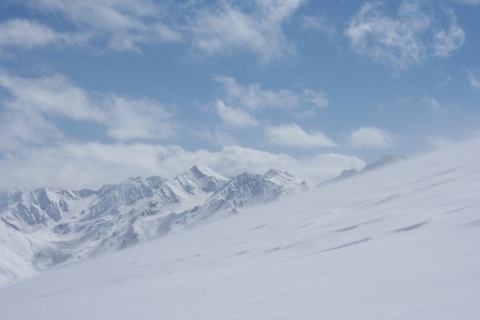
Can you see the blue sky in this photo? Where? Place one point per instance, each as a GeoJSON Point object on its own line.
{"type": "Point", "coordinates": [95, 91]}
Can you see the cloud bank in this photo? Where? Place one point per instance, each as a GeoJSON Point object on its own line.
{"type": "Point", "coordinates": [32, 107]}
{"type": "Point", "coordinates": [80, 165]}
{"type": "Point", "coordinates": [292, 135]}
{"type": "Point", "coordinates": [370, 137]}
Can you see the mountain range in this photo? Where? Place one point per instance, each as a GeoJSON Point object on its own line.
{"type": "Point", "coordinates": [50, 227]}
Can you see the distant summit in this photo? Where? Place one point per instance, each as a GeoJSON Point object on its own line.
{"type": "Point", "coordinates": [384, 161]}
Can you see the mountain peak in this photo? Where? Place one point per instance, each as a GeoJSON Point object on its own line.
{"type": "Point", "coordinates": [285, 179]}
{"type": "Point", "coordinates": [200, 176]}
{"type": "Point", "coordinates": [202, 171]}
{"type": "Point", "coordinates": [385, 160]}
{"type": "Point", "coordinates": [273, 172]}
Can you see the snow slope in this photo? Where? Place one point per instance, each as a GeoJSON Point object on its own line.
{"type": "Point", "coordinates": [401, 242]}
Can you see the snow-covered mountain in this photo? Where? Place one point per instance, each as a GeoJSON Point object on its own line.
{"type": "Point", "coordinates": [60, 227]}
{"type": "Point", "coordinates": [384, 161]}
{"type": "Point", "coordinates": [400, 242]}
{"type": "Point", "coordinates": [244, 190]}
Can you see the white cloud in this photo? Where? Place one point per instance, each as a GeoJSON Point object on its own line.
{"type": "Point", "coordinates": [34, 105]}
{"type": "Point", "coordinates": [25, 34]}
{"type": "Point", "coordinates": [89, 165]}
{"type": "Point", "coordinates": [215, 27]}
{"type": "Point", "coordinates": [370, 137]}
{"type": "Point", "coordinates": [394, 42]}
{"type": "Point", "coordinates": [25, 126]}
{"type": "Point", "coordinates": [474, 82]}
{"type": "Point", "coordinates": [55, 95]}
{"type": "Point", "coordinates": [129, 119]}
{"type": "Point", "coordinates": [317, 98]}
{"type": "Point", "coordinates": [233, 160]}
{"type": "Point", "coordinates": [124, 25]}
{"type": "Point", "coordinates": [253, 97]}
{"type": "Point", "coordinates": [446, 41]}
{"type": "Point", "coordinates": [256, 28]}
{"type": "Point", "coordinates": [31, 104]}
{"type": "Point", "coordinates": [294, 136]}
{"type": "Point", "coordinates": [234, 117]}
{"type": "Point", "coordinates": [75, 165]}
{"type": "Point", "coordinates": [401, 42]}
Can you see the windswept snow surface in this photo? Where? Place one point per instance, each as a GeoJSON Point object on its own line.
{"type": "Point", "coordinates": [402, 242]}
